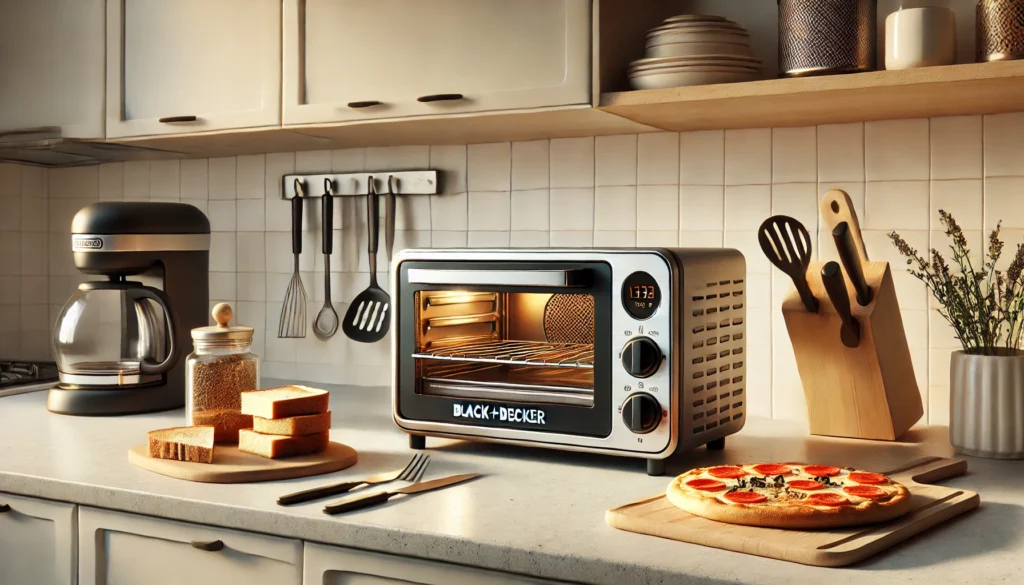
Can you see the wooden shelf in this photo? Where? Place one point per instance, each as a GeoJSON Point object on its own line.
{"type": "Point", "coordinates": [977, 88]}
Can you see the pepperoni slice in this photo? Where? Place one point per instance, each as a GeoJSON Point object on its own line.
{"type": "Point", "coordinates": [805, 485]}
{"type": "Point", "coordinates": [868, 492]}
{"type": "Point", "coordinates": [706, 485]}
{"type": "Point", "coordinates": [727, 472]}
{"type": "Point", "coordinates": [822, 470]}
{"type": "Point", "coordinates": [827, 499]}
{"type": "Point", "coordinates": [773, 469]}
{"type": "Point", "coordinates": [746, 497]}
{"type": "Point", "coordinates": [865, 477]}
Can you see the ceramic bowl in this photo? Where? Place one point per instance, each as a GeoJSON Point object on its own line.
{"type": "Point", "coordinates": [697, 35]}
{"type": "Point", "coordinates": [683, 18]}
{"type": "Point", "coordinates": [699, 60]}
{"type": "Point", "coordinates": [689, 76]}
{"type": "Point", "coordinates": [698, 49]}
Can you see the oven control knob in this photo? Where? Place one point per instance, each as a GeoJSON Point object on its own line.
{"type": "Point", "coordinates": [641, 413]}
{"type": "Point", "coordinates": [641, 357]}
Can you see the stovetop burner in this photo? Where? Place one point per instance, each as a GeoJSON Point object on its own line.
{"type": "Point", "coordinates": [19, 376]}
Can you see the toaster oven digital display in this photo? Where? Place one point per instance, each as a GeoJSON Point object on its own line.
{"type": "Point", "coordinates": [640, 295]}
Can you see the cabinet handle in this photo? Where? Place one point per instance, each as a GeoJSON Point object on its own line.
{"type": "Point", "coordinates": [366, 104]}
{"type": "Point", "coordinates": [208, 545]}
{"type": "Point", "coordinates": [178, 119]}
{"type": "Point", "coordinates": [4, 508]}
{"type": "Point", "coordinates": [440, 97]}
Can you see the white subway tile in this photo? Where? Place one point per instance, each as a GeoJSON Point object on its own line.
{"type": "Point", "coordinates": [794, 155]}
{"type": "Point", "coordinates": [451, 162]}
{"type": "Point", "coordinates": [278, 165]}
{"type": "Point", "coordinates": [490, 167]}
{"type": "Point", "coordinates": [615, 208]}
{"type": "Point", "coordinates": [656, 238]}
{"type": "Point", "coordinates": [956, 147]}
{"type": "Point", "coordinates": [350, 160]}
{"type": "Point", "coordinates": [748, 157]}
{"type": "Point", "coordinates": [702, 157]}
{"type": "Point", "coordinates": [572, 209]}
{"type": "Point", "coordinates": [938, 402]}
{"type": "Point", "coordinates": [313, 161]}
{"type": "Point", "coordinates": [746, 243]}
{"type": "Point", "coordinates": [10, 259]}
{"type": "Point", "coordinates": [747, 206]}
{"type": "Point", "coordinates": [34, 182]}
{"type": "Point", "coordinates": [411, 213]}
{"type": "Point", "coordinates": [136, 181]}
{"type": "Point", "coordinates": [572, 239]}
{"type": "Point", "coordinates": [701, 239]}
{"type": "Point", "coordinates": [195, 179]}
{"type": "Point", "coordinates": [702, 207]}
{"type": "Point", "coordinates": [941, 335]}
{"type": "Point", "coordinates": [222, 216]}
{"type": "Point", "coordinates": [222, 174]}
{"type": "Point", "coordinates": [799, 201]}
{"type": "Point", "coordinates": [490, 210]}
{"type": "Point", "coordinates": [841, 152]}
{"type": "Point", "coordinates": [35, 214]}
{"type": "Point", "coordinates": [910, 292]}
{"type": "Point", "coordinates": [222, 252]}
{"type": "Point", "coordinates": [895, 205]}
{"type": "Point", "coordinates": [277, 215]}
{"type": "Point", "coordinates": [250, 214]}
{"type": "Point", "coordinates": [406, 240]}
{"type": "Point", "coordinates": [165, 180]}
{"type": "Point", "coordinates": [397, 158]}
{"type": "Point", "coordinates": [449, 212]}
{"type": "Point", "coordinates": [615, 160]}
{"type": "Point", "coordinates": [10, 290]}
{"type": "Point", "coordinates": [34, 289]}
{"type": "Point", "coordinates": [530, 239]}
{"type": "Point", "coordinates": [251, 286]}
{"type": "Point", "coordinates": [915, 326]}
{"type": "Point", "coordinates": [448, 239]}
{"type": "Point", "coordinates": [33, 254]}
{"type": "Point", "coordinates": [896, 150]}
{"type": "Point", "coordinates": [10, 216]}
{"type": "Point", "coordinates": [657, 208]}
{"type": "Point", "coordinates": [250, 254]}
{"type": "Point", "coordinates": [61, 212]}
{"type": "Point", "coordinates": [658, 158]}
{"type": "Point", "coordinates": [10, 179]}
{"type": "Point", "coordinates": [788, 401]}
{"type": "Point", "coordinates": [759, 381]}
{"type": "Point", "coordinates": [962, 198]}
{"type": "Point", "coordinates": [1004, 148]}
{"type": "Point", "coordinates": [223, 285]}
{"type": "Point", "coordinates": [1004, 200]}
{"type": "Point", "coordinates": [615, 238]}
{"type": "Point", "coordinates": [251, 179]}
{"type": "Point", "coordinates": [67, 183]}
{"type": "Point", "coordinates": [572, 162]}
{"type": "Point", "coordinates": [531, 210]}
{"type": "Point", "coordinates": [489, 239]}
{"type": "Point", "coordinates": [530, 165]}
{"type": "Point", "coordinates": [111, 182]}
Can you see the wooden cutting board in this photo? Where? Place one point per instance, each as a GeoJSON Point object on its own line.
{"type": "Point", "coordinates": [833, 547]}
{"type": "Point", "coordinates": [233, 466]}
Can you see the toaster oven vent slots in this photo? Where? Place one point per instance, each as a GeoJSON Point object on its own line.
{"type": "Point", "coordinates": [706, 310]}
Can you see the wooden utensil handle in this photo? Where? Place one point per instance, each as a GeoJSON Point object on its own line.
{"type": "Point", "coordinates": [930, 470]}
{"type": "Point", "coordinates": [837, 207]}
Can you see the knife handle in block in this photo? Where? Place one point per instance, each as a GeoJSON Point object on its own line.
{"type": "Point", "coordinates": [835, 285]}
{"type": "Point", "coordinates": [836, 207]}
{"type": "Point", "coordinates": [851, 262]}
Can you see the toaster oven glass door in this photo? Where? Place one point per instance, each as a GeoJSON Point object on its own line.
{"type": "Point", "coordinates": [523, 345]}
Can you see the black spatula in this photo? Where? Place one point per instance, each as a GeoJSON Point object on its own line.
{"type": "Point", "coordinates": [787, 245]}
{"type": "Point", "coordinates": [369, 317]}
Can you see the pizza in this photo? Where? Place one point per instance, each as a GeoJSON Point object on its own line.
{"type": "Point", "coordinates": [789, 495]}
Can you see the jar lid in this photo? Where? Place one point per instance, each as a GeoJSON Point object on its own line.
{"type": "Point", "coordinates": [222, 314]}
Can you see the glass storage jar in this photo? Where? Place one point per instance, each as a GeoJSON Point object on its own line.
{"type": "Point", "coordinates": [217, 372]}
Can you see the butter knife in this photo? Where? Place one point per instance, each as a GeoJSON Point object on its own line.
{"type": "Point", "coordinates": [380, 498]}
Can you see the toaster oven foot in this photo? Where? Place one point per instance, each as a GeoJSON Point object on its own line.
{"type": "Point", "coordinates": [418, 442]}
{"type": "Point", "coordinates": [655, 467]}
{"type": "Point", "coordinates": [716, 445]}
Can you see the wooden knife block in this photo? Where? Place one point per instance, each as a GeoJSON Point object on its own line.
{"type": "Point", "coordinates": [865, 392]}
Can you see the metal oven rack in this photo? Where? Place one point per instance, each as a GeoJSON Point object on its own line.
{"type": "Point", "coordinates": [521, 353]}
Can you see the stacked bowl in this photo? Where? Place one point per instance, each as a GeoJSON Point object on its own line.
{"type": "Point", "coordinates": [695, 49]}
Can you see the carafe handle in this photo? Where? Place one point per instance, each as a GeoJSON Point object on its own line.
{"type": "Point", "coordinates": [147, 365]}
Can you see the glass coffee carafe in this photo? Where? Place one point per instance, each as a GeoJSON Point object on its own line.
{"type": "Point", "coordinates": [116, 333]}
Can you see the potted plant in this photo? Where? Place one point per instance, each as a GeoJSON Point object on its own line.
{"type": "Point", "coordinates": [985, 306]}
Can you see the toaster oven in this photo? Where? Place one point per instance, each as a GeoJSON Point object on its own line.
{"type": "Point", "coordinates": [630, 352]}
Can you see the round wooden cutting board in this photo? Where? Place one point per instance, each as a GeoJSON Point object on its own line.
{"type": "Point", "coordinates": [233, 466]}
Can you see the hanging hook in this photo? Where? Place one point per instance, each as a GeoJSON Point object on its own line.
{"type": "Point", "coordinates": [328, 187]}
{"type": "Point", "coordinates": [300, 191]}
{"type": "Point", "coordinates": [392, 185]}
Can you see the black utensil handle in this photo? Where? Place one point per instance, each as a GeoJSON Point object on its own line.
{"type": "Point", "coordinates": [177, 119]}
{"type": "Point", "coordinates": [851, 262]}
{"type": "Point", "coordinates": [208, 545]}
{"type": "Point", "coordinates": [358, 503]}
{"type": "Point", "coordinates": [835, 285]}
{"type": "Point", "coordinates": [328, 223]}
{"type": "Point", "coordinates": [440, 97]}
{"type": "Point", "coordinates": [389, 229]}
{"type": "Point", "coordinates": [364, 104]}
{"type": "Point", "coordinates": [317, 493]}
{"type": "Point", "coordinates": [810, 303]}
{"type": "Point", "coordinates": [296, 225]}
{"type": "Point", "coordinates": [5, 508]}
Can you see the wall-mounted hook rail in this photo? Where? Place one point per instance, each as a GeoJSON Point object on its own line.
{"type": "Point", "coordinates": [355, 184]}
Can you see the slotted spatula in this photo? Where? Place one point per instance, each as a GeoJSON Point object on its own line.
{"type": "Point", "coordinates": [787, 245]}
{"type": "Point", "coordinates": [369, 317]}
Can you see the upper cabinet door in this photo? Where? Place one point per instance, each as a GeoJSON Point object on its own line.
{"type": "Point", "coordinates": [363, 59]}
{"type": "Point", "coordinates": [51, 66]}
{"type": "Point", "coordinates": [192, 65]}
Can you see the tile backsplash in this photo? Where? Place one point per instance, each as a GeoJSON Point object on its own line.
{"type": "Point", "coordinates": [709, 188]}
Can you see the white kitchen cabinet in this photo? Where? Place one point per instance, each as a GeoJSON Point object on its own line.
{"type": "Point", "coordinates": [332, 565]}
{"type": "Point", "coordinates": [350, 60]}
{"type": "Point", "coordinates": [128, 549]}
{"type": "Point", "coordinates": [192, 65]}
{"type": "Point", "coordinates": [51, 66]}
{"type": "Point", "coordinates": [37, 541]}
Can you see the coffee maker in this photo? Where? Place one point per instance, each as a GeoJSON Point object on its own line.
{"type": "Point", "coordinates": [120, 342]}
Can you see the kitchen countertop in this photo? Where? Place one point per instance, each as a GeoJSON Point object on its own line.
{"type": "Point", "coordinates": [537, 512]}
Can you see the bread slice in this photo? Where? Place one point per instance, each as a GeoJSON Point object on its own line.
{"type": "Point", "coordinates": [280, 446]}
{"type": "Point", "coordinates": [226, 423]}
{"type": "Point", "coordinates": [294, 425]}
{"type": "Point", "coordinates": [285, 401]}
{"type": "Point", "coordinates": [183, 444]}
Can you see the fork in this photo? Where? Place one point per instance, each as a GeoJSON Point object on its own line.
{"type": "Point", "coordinates": [411, 472]}
{"type": "Point", "coordinates": [413, 478]}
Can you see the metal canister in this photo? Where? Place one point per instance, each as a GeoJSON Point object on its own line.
{"type": "Point", "coordinates": [1000, 34]}
{"type": "Point", "coordinates": [824, 37]}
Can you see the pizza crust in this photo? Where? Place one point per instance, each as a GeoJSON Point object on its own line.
{"type": "Point", "coordinates": [796, 514]}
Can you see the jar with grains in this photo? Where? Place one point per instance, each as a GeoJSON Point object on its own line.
{"type": "Point", "coordinates": [217, 372]}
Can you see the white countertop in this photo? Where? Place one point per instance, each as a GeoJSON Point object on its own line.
{"type": "Point", "coordinates": [537, 512]}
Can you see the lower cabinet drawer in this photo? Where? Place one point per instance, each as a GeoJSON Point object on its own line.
{"type": "Point", "coordinates": [126, 549]}
{"type": "Point", "coordinates": [37, 541]}
{"type": "Point", "coordinates": [332, 565]}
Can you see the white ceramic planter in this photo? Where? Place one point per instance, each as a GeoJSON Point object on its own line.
{"type": "Point", "coordinates": [986, 405]}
